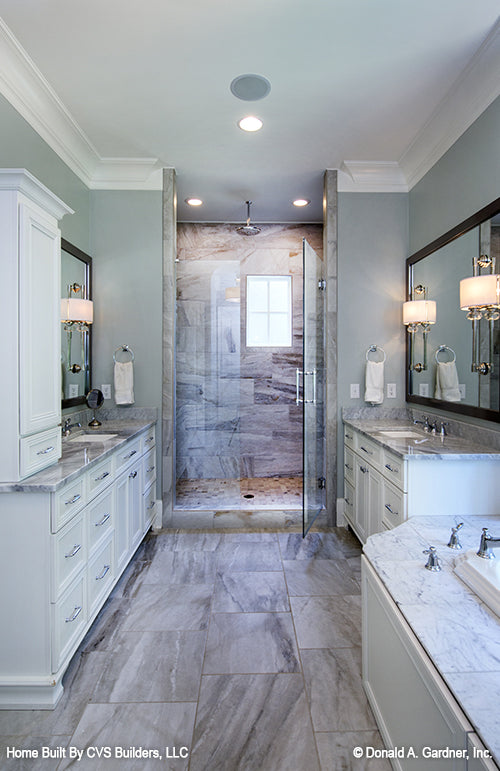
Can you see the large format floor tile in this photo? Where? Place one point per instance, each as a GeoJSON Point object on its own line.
{"type": "Point", "coordinates": [250, 592]}
{"type": "Point", "coordinates": [336, 751]}
{"type": "Point", "coordinates": [162, 608]}
{"type": "Point", "coordinates": [320, 577]}
{"type": "Point", "coordinates": [327, 622]}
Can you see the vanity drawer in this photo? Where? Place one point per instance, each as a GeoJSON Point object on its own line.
{"type": "Point", "coordinates": [99, 477]}
{"type": "Point", "coordinates": [149, 505]}
{"type": "Point", "coordinates": [127, 454]}
{"type": "Point", "coordinates": [394, 469]}
{"type": "Point", "coordinates": [39, 451]}
{"type": "Point", "coordinates": [349, 502]}
{"type": "Point", "coordinates": [368, 450]}
{"type": "Point", "coordinates": [393, 506]}
{"type": "Point", "coordinates": [349, 465]}
{"type": "Point", "coordinates": [67, 502]}
{"type": "Point", "coordinates": [349, 435]}
{"type": "Point", "coordinates": [68, 622]}
{"type": "Point", "coordinates": [149, 467]}
{"type": "Point", "coordinates": [100, 518]}
{"type": "Point", "coordinates": [69, 555]}
{"type": "Point", "coordinates": [100, 574]}
{"type": "Point", "coordinates": [149, 439]}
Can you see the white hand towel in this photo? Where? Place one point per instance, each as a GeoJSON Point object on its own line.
{"type": "Point", "coordinates": [447, 382]}
{"type": "Point", "coordinates": [124, 382]}
{"type": "Point", "coordinates": [374, 382]}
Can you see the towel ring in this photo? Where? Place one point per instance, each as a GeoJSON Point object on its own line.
{"type": "Point", "coordinates": [125, 349]}
{"type": "Point", "coordinates": [443, 348]}
{"type": "Point", "coordinates": [373, 349]}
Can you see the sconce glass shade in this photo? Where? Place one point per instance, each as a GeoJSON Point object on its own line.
{"type": "Point", "coordinates": [480, 291]}
{"type": "Point", "coordinates": [77, 310]}
{"type": "Point", "coordinates": [419, 312]}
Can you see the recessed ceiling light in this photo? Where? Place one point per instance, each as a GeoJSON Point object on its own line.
{"type": "Point", "coordinates": [301, 202]}
{"type": "Point", "coordinates": [194, 201]}
{"type": "Point", "coordinates": [250, 123]}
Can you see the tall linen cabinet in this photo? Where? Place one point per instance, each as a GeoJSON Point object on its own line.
{"type": "Point", "coordinates": [30, 347]}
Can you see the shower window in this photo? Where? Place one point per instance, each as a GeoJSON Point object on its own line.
{"type": "Point", "coordinates": [269, 311]}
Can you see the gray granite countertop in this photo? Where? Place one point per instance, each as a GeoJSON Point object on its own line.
{"type": "Point", "coordinates": [424, 445]}
{"type": "Point", "coordinates": [458, 632]}
{"type": "Point", "coordinates": [78, 455]}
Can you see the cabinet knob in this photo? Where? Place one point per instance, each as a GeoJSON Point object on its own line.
{"type": "Point", "coordinates": [132, 475]}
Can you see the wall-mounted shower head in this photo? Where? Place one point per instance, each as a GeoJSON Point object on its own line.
{"type": "Point", "coordinates": [248, 230]}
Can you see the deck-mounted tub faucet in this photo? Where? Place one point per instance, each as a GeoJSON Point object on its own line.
{"type": "Point", "coordinates": [487, 543]}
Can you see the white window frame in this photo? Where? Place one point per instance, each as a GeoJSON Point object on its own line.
{"type": "Point", "coordinates": [268, 312]}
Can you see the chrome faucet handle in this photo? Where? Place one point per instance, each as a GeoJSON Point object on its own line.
{"type": "Point", "coordinates": [486, 544]}
{"type": "Point", "coordinates": [433, 561]}
{"type": "Point", "coordinates": [454, 543]}
{"type": "Point", "coordinates": [442, 432]}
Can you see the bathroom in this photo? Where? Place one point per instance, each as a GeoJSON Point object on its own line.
{"type": "Point", "coordinates": [137, 241]}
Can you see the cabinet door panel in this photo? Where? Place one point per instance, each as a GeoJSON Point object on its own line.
{"type": "Point", "coordinates": [39, 320]}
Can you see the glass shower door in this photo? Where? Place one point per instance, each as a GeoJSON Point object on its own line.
{"type": "Point", "coordinates": [313, 387]}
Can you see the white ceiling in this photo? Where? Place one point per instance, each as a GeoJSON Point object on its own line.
{"type": "Point", "coordinates": [122, 89]}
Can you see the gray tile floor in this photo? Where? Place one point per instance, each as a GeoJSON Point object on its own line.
{"type": "Point", "coordinates": [244, 648]}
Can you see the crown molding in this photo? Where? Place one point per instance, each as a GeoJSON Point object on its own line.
{"type": "Point", "coordinates": [371, 177]}
{"type": "Point", "coordinates": [477, 86]}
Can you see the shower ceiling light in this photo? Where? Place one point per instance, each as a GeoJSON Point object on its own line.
{"type": "Point", "coordinates": [194, 201]}
{"type": "Point", "coordinates": [250, 123]}
{"type": "Point", "coordinates": [301, 202]}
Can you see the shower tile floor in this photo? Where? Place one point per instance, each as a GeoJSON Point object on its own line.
{"type": "Point", "coordinates": [284, 493]}
{"type": "Point", "coordinates": [244, 648]}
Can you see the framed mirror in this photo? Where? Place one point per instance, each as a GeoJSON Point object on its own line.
{"type": "Point", "coordinates": [76, 335]}
{"type": "Point", "coordinates": [454, 362]}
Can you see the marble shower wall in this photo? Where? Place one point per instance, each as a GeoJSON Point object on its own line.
{"type": "Point", "coordinates": [235, 406]}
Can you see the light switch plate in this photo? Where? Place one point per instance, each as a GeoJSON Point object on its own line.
{"type": "Point", "coordinates": [391, 390]}
{"type": "Point", "coordinates": [423, 389]}
{"type": "Point", "coordinates": [72, 390]}
{"type": "Point", "coordinates": [106, 391]}
{"type": "Point", "coordinates": [354, 390]}
{"type": "Point", "coordinates": [461, 388]}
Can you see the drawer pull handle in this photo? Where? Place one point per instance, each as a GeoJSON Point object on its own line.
{"type": "Point", "coordinates": [74, 499]}
{"type": "Point", "coordinates": [125, 457]}
{"type": "Point", "coordinates": [348, 502]}
{"type": "Point", "coordinates": [150, 439]}
{"type": "Point", "coordinates": [363, 469]}
{"type": "Point", "coordinates": [394, 470]}
{"type": "Point", "coordinates": [44, 452]}
{"type": "Point", "coordinates": [104, 571]}
{"type": "Point", "coordinates": [132, 475]}
{"type": "Point", "coordinates": [151, 505]}
{"type": "Point", "coordinates": [103, 476]}
{"type": "Point", "coordinates": [349, 468]}
{"type": "Point", "coordinates": [369, 452]}
{"type": "Point", "coordinates": [103, 520]}
{"type": "Point", "coordinates": [75, 550]}
{"type": "Point", "coordinates": [76, 613]}
{"type": "Point", "coordinates": [391, 511]}
{"type": "Point", "coordinates": [151, 468]}
{"type": "Point", "coordinates": [348, 436]}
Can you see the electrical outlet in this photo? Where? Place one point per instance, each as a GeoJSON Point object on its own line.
{"type": "Point", "coordinates": [106, 391]}
{"type": "Point", "coordinates": [461, 388]}
{"type": "Point", "coordinates": [354, 390]}
{"type": "Point", "coordinates": [423, 389]}
{"type": "Point", "coordinates": [391, 390]}
{"type": "Point", "coordinates": [72, 390]}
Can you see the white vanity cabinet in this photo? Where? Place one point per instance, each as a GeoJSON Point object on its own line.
{"type": "Point", "coordinates": [63, 552]}
{"type": "Point", "coordinates": [30, 390]}
{"type": "Point", "coordinates": [382, 490]}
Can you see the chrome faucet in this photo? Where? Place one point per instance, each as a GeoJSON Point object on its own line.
{"type": "Point", "coordinates": [68, 425]}
{"type": "Point", "coordinates": [425, 423]}
{"type": "Point", "coordinates": [487, 543]}
{"type": "Point", "coordinates": [433, 561]}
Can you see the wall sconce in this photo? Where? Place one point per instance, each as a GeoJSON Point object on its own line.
{"type": "Point", "coordinates": [480, 296]}
{"type": "Point", "coordinates": [419, 314]}
{"type": "Point", "coordinates": [76, 313]}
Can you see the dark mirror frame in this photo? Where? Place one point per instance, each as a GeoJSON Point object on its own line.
{"type": "Point", "coordinates": [85, 258]}
{"type": "Point", "coordinates": [471, 222]}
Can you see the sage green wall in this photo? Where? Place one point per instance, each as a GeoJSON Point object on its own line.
{"type": "Point", "coordinates": [372, 249]}
{"type": "Point", "coordinates": [22, 148]}
{"type": "Point", "coordinates": [126, 246]}
{"type": "Point", "coordinates": [464, 180]}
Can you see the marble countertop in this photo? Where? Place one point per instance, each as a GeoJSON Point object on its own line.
{"type": "Point", "coordinates": [458, 632]}
{"type": "Point", "coordinates": [78, 455]}
{"type": "Point", "coordinates": [424, 447]}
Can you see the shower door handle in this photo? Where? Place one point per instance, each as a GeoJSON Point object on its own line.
{"type": "Point", "coordinates": [298, 373]}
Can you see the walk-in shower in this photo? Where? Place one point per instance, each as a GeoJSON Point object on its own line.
{"type": "Point", "coordinates": [238, 426]}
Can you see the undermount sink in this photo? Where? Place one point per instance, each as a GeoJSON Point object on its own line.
{"type": "Point", "coordinates": [482, 576]}
{"type": "Point", "coordinates": [401, 433]}
{"type": "Point", "coordinates": [92, 437]}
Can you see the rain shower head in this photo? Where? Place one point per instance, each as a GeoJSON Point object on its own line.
{"type": "Point", "coordinates": [248, 230]}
